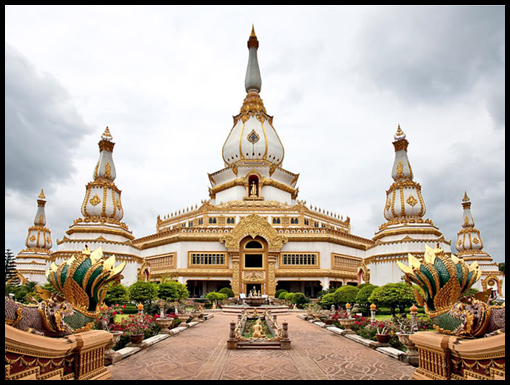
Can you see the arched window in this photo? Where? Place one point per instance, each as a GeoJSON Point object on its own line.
{"type": "Point", "coordinates": [253, 245]}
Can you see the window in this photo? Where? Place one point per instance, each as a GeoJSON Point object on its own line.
{"type": "Point", "coordinates": [300, 259]}
{"type": "Point", "coordinates": [276, 221]}
{"type": "Point", "coordinates": [200, 221]}
{"type": "Point", "coordinates": [344, 262]}
{"type": "Point", "coordinates": [253, 261]}
{"type": "Point", "coordinates": [212, 220]}
{"type": "Point", "coordinates": [253, 245]}
{"type": "Point", "coordinates": [199, 258]}
{"type": "Point", "coordinates": [190, 224]}
{"type": "Point", "coordinates": [307, 222]}
{"type": "Point", "coordinates": [294, 221]}
{"type": "Point", "coordinates": [316, 224]}
{"type": "Point", "coordinates": [231, 220]}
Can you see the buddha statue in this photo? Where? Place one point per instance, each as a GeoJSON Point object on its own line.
{"type": "Point", "coordinates": [257, 329]}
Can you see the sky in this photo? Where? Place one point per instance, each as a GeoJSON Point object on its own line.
{"type": "Point", "coordinates": [338, 80]}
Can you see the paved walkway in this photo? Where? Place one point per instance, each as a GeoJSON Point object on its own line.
{"type": "Point", "coordinates": [200, 353]}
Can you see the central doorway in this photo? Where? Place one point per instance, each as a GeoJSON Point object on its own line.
{"type": "Point", "coordinates": [254, 265]}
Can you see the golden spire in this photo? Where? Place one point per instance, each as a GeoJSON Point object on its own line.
{"type": "Point", "coordinates": [41, 195]}
{"type": "Point", "coordinates": [466, 198]}
{"type": "Point", "coordinates": [107, 134]}
{"type": "Point", "coordinates": [253, 31]}
{"type": "Point", "coordinates": [400, 134]}
{"type": "Point", "coordinates": [253, 41]}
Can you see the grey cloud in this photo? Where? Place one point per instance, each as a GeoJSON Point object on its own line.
{"type": "Point", "coordinates": [42, 127]}
{"type": "Point", "coordinates": [431, 54]}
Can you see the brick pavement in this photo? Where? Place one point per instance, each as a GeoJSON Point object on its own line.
{"type": "Point", "coordinates": [200, 353]}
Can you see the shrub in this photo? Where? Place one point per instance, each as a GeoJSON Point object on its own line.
{"type": "Point", "coordinates": [172, 291]}
{"type": "Point", "coordinates": [393, 295]}
{"type": "Point", "coordinates": [278, 292]}
{"type": "Point", "coordinates": [299, 299]}
{"type": "Point", "coordinates": [116, 294]}
{"type": "Point", "coordinates": [290, 297]}
{"type": "Point", "coordinates": [346, 294]}
{"type": "Point", "coordinates": [327, 300]}
{"type": "Point", "coordinates": [363, 295]}
{"type": "Point", "coordinates": [228, 291]}
{"type": "Point", "coordinates": [214, 296]}
{"type": "Point", "coordinates": [283, 295]}
{"type": "Point", "coordinates": [144, 292]}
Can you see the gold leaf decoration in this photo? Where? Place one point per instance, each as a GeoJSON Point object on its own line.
{"type": "Point", "coordinates": [412, 200]}
{"type": "Point", "coordinates": [95, 200]}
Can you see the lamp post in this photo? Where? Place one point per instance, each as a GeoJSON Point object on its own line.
{"type": "Point", "coordinates": [373, 310]}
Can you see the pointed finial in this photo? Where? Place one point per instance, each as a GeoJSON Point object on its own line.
{"type": "Point", "coordinates": [106, 134]}
{"type": "Point", "coordinates": [253, 31]}
{"type": "Point", "coordinates": [466, 198]}
{"type": "Point", "coordinates": [400, 134]}
{"type": "Point", "coordinates": [41, 195]}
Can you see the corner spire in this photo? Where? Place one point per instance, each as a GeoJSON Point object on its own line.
{"type": "Point", "coordinates": [253, 80]}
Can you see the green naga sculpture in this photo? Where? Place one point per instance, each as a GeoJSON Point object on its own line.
{"type": "Point", "coordinates": [82, 284]}
{"type": "Point", "coordinates": [444, 279]}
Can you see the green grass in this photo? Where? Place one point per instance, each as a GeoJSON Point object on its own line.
{"type": "Point", "coordinates": [383, 317]}
{"type": "Point", "coordinates": [120, 317]}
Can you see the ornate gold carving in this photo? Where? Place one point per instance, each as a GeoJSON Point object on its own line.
{"type": "Point", "coordinates": [253, 225]}
{"type": "Point", "coordinates": [95, 200]}
{"type": "Point", "coordinates": [253, 276]}
{"type": "Point", "coordinates": [400, 170]}
{"type": "Point", "coordinates": [32, 238]}
{"type": "Point", "coordinates": [476, 241]}
{"type": "Point", "coordinates": [412, 200]}
{"type": "Point", "coordinates": [107, 171]}
{"type": "Point", "coordinates": [253, 137]}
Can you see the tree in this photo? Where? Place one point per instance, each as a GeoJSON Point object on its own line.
{"type": "Point", "coordinates": [393, 295]}
{"type": "Point", "coordinates": [172, 290]}
{"type": "Point", "coordinates": [10, 265]}
{"type": "Point", "coordinates": [228, 291]}
{"type": "Point", "coordinates": [143, 292]}
{"type": "Point", "coordinates": [346, 294]}
{"type": "Point", "coordinates": [299, 299]}
{"type": "Point", "coordinates": [363, 295]}
{"type": "Point", "coordinates": [327, 300]}
{"type": "Point", "coordinates": [501, 267]}
{"type": "Point", "coordinates": [117, 294]}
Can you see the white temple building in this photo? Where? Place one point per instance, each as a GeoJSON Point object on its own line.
{"type": "Point", "coordinates": [253, 230]}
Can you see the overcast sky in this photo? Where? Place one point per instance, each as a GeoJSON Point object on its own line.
{"type": "Point", "coordinates": [167, 80]}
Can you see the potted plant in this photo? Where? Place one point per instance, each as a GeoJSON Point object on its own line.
{"type": "Point", "coordinates": [382, 335]}
{"type": "Point", "coordinates": [134, 326]}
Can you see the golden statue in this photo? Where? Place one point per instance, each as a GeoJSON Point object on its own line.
{"type": "Point", "coordinates": [257, 329]}
{"type": "Point", "coordinates": [253, 189]}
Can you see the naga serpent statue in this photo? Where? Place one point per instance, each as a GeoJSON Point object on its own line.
{"type": "Point", "coordinates": [82, 284]}
{"type": "Point", "coordinates": [444, 279]}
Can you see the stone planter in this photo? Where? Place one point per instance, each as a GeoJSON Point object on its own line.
{"type": "Point", "coordinates": [347, 324]}
{"type": "Point", "coordinates": [164, 323]}
{"type": "Point", "coordinates": [183, 317]}
{"type": "Point", "coordinates": [136, 339]}
{"type": "Point", "coordinates": [383, 338]}
{"type": "Point", "coordinates": [110, 355]}
{"type": "Point", "coordinates": [411, 356]}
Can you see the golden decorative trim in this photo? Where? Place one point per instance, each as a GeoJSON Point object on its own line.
{"type": "Point", "coordinates": [95, 200]}
{"type": "Point", "coordinates": [412, 200]}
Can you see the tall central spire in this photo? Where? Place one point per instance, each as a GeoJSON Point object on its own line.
{"type": "Point", "coordinates": [253, 81]}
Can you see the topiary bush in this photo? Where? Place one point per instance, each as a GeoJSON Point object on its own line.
{"type": "Point", "coordinates": [346, 294]}
{"type": "Point", "coordinates": [172, 291]}
{"type": "Point", "coordinates": [283, 295]}
{"type": "Point", "coordinates": [278, 292]}
{"type": "Point", "coordinates": [228, 291]}
{"type": "Point", "coordinates": [327, 300]}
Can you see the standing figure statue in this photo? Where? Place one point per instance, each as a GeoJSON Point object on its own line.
{"type": "Point", "coordinates": [253, 189]}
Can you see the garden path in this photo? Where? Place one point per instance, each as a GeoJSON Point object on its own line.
{"type": "Point", "coordinates": [200, 353]}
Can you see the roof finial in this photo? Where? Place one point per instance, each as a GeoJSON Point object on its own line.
{"type": "Point", "coordinates": [253, 80]}
{"type": "Point", "coordinates": [106, 134]}
{"type": "Point", "coordinates": [400, 134]}
{"type": "Point", "coordinates": [466, 198]}
{"type": "Point", "coordinates": [41, 195]}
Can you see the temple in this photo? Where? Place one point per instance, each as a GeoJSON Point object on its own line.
{"type": "Point", "coordinates": [253, 231]}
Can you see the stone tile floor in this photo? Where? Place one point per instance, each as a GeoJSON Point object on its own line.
{"type": "Point", "coordinates": [200, 353]}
